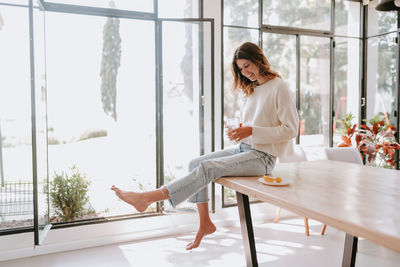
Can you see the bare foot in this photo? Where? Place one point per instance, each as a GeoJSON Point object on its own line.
{"type": "Point", "coordinates": [132, 198]}
{"type": "Point", "coordinates": [208, 229]}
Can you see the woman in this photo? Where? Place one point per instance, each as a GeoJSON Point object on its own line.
{"type": "Point", "coordinates": [269, 123]}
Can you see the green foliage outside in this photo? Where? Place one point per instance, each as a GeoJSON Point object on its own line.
{"type": "Point", "coordinates": [110, 63]}
{"type": "Point", "coordinates": [93, 133]}
{"type": "Point", "coordinates": [53, 140]}
{"type": "Point", "coordinates": [311, 112]}
{"type": "Point", "coordinates": [347, 122]}
{"type": "Point", "coordinates": [68, 194]}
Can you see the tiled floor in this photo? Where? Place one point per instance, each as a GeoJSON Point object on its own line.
{"type": "Point", "coordinates": [282, 244]}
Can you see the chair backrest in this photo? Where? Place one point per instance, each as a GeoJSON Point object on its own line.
{"type": "Point", "coordinates": [299, 155]}
{"type": "Point", "coordinates": [348, 154]}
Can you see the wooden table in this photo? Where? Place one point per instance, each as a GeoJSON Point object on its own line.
{"type": "Point", "coordinates": [360, 200]}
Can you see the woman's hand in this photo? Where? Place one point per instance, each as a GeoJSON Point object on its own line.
{"type": "Point", "coordinates": [239, 133]}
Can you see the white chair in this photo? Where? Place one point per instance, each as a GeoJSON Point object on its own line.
{"type": "Point", "coordinates": [346, 154]}
{"type": "Point", "coordinates": [299, 155]}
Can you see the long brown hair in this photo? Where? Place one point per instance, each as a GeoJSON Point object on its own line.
{"type": "Point", "coordinates": [252, 52]}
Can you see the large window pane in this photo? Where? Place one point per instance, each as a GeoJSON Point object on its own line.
{"type": "Point", "coordinates": [280, 50]}
{"type": "Point", "coordinates": [233, 38]}
{"type": "Point", "coordinates": [181, 97]}
{"type": "Point", "coordinates": [16, 190]}
{"type": "Point", "coordinates": [314, 90]}
{"type": "Point", "coordinates": [381, 77]}
{"type": "Point", "coordinates": [347, 85]}
{"type": "Point", "coordinates": [134, 5]}
{"type": "Point", "coordinates": [178, 8]}
{"type": "Point", "coordinates": [109, 135]}
{"type": "Point", "coordinates": [241, 13]}
{"type": "Point", "coordinates": [347, 18]}
{"type": "Point", "coordinates": [312, 14]}
{"type": "Point", "coordinates": [379, 21]}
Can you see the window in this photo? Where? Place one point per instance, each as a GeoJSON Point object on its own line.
{"type": "Point", "coordinates": [381, 77]}
{"type": "Point", "coordinates": [380, 22]}
{"type": "Point", "coordinates": [166, 9]}
{"type": "Point", "coordinates": [346, 84]}
{"type": "Point", "coordinates": [16, 190]}
{"type": "Point", "coordinates": [314, 90]}
{"type": "Point", "coordinates": [182, 116]}
{"type": "Point", "coordinates": [109, 138]}
{"type": "Point", "coordinates": [280, 50]}
{"type": "Point", "coordinates": [97, 97]}
{"type": "Point", "coordinates": [233, 37]}
{"type": "Point", "coordinates": [134, 5]}
{"type": "Point", "coordinates": [347, 18]}
{"type": "Point", "coordinates": [312, 14]}
{"type": "Point", "coordinates": [241, 13]}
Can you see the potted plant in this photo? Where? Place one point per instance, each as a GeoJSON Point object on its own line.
{"type": "Point", "coordinates": [375, 140]}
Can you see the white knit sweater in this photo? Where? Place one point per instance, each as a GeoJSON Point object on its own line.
{"type": "Point", "coordinates": [271, 111]}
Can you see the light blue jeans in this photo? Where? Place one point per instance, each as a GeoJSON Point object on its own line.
{"type": "Point", "coordinates": [241, 160]}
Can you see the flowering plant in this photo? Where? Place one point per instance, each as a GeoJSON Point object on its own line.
{"type": "Point", "coordinates": [375, 140]}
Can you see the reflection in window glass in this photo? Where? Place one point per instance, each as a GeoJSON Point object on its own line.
{"type": "Point", "coordinates": [178, 8]}
{"type": "Point", "coordinates": [109, 135]}
{"type": "Point", "coordinates": [280, 50]}
{"type": "Point", "coordinates": [314, 91]}
{"type": "Point", "coordinates": [347, 18]}
{"type": "Point", "coordinates": [241, 13]}
{"type": "Point", "coordinates": [347, 85]}
{"type": "Point", "coordinates": [381, 77]}
{"type": "Point", "coordinates": [133, 5]}
{"type": "Point", "coordinates": [379, 21]}
{"type": "Point", "coordinates": [181, 98]}
{"type": "Point", "coordinates": [312, 14]}
{"type": "Point", "coordinates": [16, 190]}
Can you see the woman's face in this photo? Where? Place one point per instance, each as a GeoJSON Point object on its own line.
{"type": "Point", "coordinates": [248, 69]}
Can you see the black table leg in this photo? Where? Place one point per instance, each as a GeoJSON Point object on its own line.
{"type": "Point", "coordinates": [247, 229]}
{"type": "Point", "coordinates": [350, 251]}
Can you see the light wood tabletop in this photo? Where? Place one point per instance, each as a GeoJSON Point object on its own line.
{"type": "Point", "coordinates": [360, 200]}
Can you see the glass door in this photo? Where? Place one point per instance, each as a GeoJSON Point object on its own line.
{"type": "Point", "coordinates": [186, 93]}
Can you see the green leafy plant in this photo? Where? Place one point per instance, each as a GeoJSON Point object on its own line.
{"type": "Point", "coordinates": [375, 140]}
{"type": "Point", "coordinates": [68, 194]}
{"type": "Point", "coordinates": [347, 122]}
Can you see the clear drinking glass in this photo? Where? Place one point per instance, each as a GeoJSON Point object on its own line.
{"type": "Point", "coordinates": [233, 123]}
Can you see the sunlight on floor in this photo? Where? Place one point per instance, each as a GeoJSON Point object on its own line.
{"type": "Point", "coordinates": [282, 245]}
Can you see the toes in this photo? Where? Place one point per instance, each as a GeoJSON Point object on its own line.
{"type": "Point", "coordinates": [189, 246]}
{"type": "Point", "coordinates": [192, 245]}
{"type": "Point", "coordinates": [116, 189]}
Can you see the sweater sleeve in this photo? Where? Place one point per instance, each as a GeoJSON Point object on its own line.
{"type": "Point", "coordinates": [288, 121]}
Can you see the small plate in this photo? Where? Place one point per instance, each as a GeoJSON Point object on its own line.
{"type": "Point", "coordinates": [283, 183]}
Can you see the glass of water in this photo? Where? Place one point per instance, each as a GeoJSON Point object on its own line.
{"type": "Point", "coordinates": [233, 123]}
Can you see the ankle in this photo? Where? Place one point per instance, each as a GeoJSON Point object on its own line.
{"type": "Point", "coordinates": [206, 223]}
{"type": "Point", "coordinates": [164, 193]}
